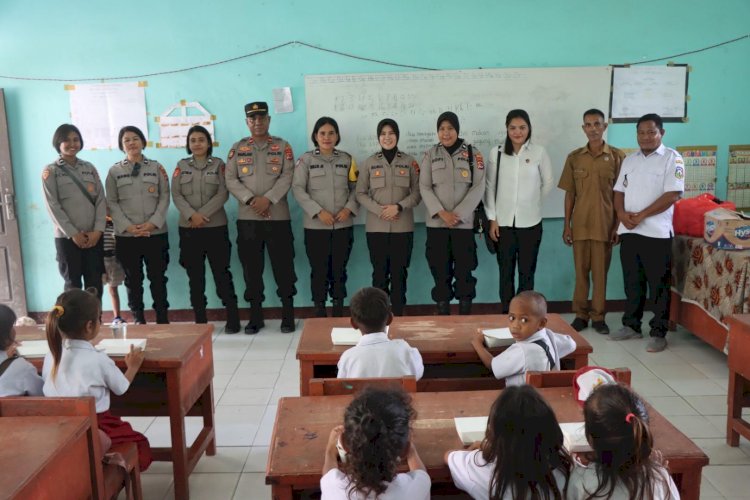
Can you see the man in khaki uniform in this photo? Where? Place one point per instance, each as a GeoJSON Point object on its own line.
{"type": "Point", "coordinates": [590, 226]}
{"type": "Point", "coordinates": [259, 174]}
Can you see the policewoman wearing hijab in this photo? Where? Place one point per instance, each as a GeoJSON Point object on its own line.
{"type": "Point", "coordinates": [388, 187]}
{"type": "Point", "coordinates": [75, 201]}
{"type": "Point", "coordinates": [324, 186]}
{"type": "Point", "coordinates": [138, 198]}
{"type": "Point", "coordinates": [451, 182]}
{"type": "Point", "coordinates": [199, 192]}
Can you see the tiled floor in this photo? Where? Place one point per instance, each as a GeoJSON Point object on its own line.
{"type": "Point", "coordinates": [687, 383]}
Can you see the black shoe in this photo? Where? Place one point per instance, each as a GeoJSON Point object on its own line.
{"type": "Point", "coordinates": [287, 316]}
{"type": "Point", "coordinates": [338, 308]}
{"type": "Point", "coordinates": [139, 318]}
{"type": "Point", "coordinates": [233, 320]}
{"type": "Point", "coordinates": [253, 328]}
{"type": "Point", "coordinates": [464, 307]}
{"type": "Point", "coordinates": [320, 310]}
{"type": "Point", "coordinates": [200, 316]}
{"type": "Point", "coordinates": [600, 327]}
{"type": "Point", "coordinates": [443, 308]}
{"type": "Point", "coordinates": [256, 319]}
{"type": "Point", "coordinates": [231, 328]}
{"type": "Point", "coordinates": [579, 324]}
{"type": "Point", "coordinates": [162, 318]}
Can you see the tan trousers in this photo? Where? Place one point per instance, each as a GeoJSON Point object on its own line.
{"type": "Point", "coordinates": [591, 257]}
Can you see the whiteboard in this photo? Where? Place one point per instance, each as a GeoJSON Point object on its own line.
{"type": "Point", "coordinates": [639, 90]}
{"type": "Point", "coordinates": [555, 99]}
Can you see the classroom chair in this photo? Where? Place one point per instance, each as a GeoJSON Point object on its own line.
{"type": "Point", "coordinates": [564, 378]}
{"type": "Point", "coordinates": [339, 386]}
{"type": "Point", "coordinates": [110, 479]}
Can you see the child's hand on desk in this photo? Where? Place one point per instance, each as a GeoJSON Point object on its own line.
{"type": "Point", "coordinates": [332, 453]}
{"type": "Point", "coordinates": [477, 340]}
{"type": "Point", "coordinates": [333, 437]}
{"type": "Point", "coordinates": [134, 359]}
{"type": "Point", "coordinates": [474, 446]}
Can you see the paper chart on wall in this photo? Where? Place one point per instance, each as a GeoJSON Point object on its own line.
{"type": "Point", "coordinates": [100, 110]}
{"type": "Point", "coordinates": [173, 129]}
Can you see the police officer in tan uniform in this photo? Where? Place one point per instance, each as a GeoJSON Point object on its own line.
{"type": "Point", "coordinates": [590, 226]}
{"type": "Point", "coordinates": [389, 189]}
{"type": "Point", "coordinates": [75, 200]}
{"type": "Point", "coordinates": [199, 193]}
{"type": "Point", "coordinates": [259, 174]}
{"type": "Point", "coordinates": [138, 198]}
{"type": "Point", "coordinates": [451, 181]}
{"type": "Point", "coordinates": [324, 186]}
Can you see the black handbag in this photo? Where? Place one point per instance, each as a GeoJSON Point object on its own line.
{"type": "Point", "coordinates": [481, 224]}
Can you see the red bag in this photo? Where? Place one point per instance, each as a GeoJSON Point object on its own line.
{"type": "Point", "coordinates": [688, 213]}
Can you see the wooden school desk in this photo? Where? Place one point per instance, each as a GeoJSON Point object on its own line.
{"type": "Point", "coordinates": [443, 341]}
{"type": "Point", "coordinates": [45, 457]}
{"type": "Point", "coordinates": [174, 381]}
{"type": "Point", "coordinates": [739, 378]}
{"type": "Point", "coordinates": [303, 424]}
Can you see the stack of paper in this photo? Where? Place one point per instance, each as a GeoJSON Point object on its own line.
{"type": "Point", "coordinates": [498, 337]}
{"type": "Point", "coordinates": [574, 437]}
{"type": "Point", "coordinates": [33, 348]}
{"type": "Point", "coordinates": [345, 336]}
{"type": "Point", "coordinates": [470, 429]}
{"type": "Point", "coordinates": [120, 347]}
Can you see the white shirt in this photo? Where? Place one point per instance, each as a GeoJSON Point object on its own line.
{"type": "Point", "coordinates": [84, 371]}
{"type": "Point", "coordinates": [584, 481]}
{"type": "Point", "coordinates": [20, 378]}
{"type": "Point", "coordinates": [472, 474]}
{"type": "Point", "coordinates": [375, 356]}
{"type": "Point", "coordinates": [643, 179]}
{"type": "Point", "coordinates": [524, 179]}
{"type": "Point", "coordinates": [523, 356]}
{"type": "Point", "coordinates": [414, 485]}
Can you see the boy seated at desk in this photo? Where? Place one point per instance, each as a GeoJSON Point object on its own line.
{"type": "Point", "coordinates": [375, 355]}
{"type": "Point", "coordinates": [536, 348]}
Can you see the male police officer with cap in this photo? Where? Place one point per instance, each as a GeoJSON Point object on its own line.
{"type": "Point", "coordinates": [259, 174]}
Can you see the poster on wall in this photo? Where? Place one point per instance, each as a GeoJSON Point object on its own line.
{"type": "Point", "coordinates": [100, 110]}
{"type": "Point", "coordinates": [700, 169]}
{"type": "Point", "coordinates": [638, 90]}
{"type": "Point", "coordinates": [175, 122]}
{"type": "Point", "coordinates": [738, 176]}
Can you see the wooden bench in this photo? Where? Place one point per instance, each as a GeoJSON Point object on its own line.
{"type": "Point", "coordinates": [339, 386]}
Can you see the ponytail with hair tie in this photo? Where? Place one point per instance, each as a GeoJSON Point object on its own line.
{"type": "Point", "coordinates": [629, 417]}
{"type": "Point", "coordinates": [60, 310]}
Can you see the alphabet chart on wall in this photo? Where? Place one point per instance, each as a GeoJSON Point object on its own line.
{"type": "Point", "coordinates": [700, 169]}
{"type": "Point", "coordinates": [738, 177]}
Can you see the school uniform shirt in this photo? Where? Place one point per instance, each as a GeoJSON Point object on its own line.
{"type": "Point", "coordinates": [584, 480]}
{"type": "Point", "coordinates": [140, 199]}
{"type": "Point", "coordinates": [84, 371]}
{"type": "Point", "coordinates": [523, 356]}
{"type": "Point", "coordinates": [326, 182]}
{"type": "Point", "coordinates": [20, 378]}
{"type": "Point", "coordinates": [199, 186]}
{"type": "Point", "coordinates": [375, 356]}
{"type": "Point", "coordinates": [414, 485]}
{"type": "Point", "coordinates": [448, 182]}
{"type": "Point", "coordinates": [642, 180]}
{"type": "Point", "coordinates": [472, 474]}
{"type": "Point", "coordinates": [524, 179]}
{"type": "Point", "coordinates": [381, 183]}
{"type": "Point", "coordinates": [71, 211]}
{"type": "Point", "coordinates": [261, 168]}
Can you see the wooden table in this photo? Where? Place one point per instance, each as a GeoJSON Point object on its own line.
{"type": "Point", "coordinates": [739, 378]}
{"type": "Point", "coordinates": [45, 457]}
{"type": "Point", "coordinates": [302, 426]}
{"type": "Point", "coordinates": [443, 341]}
{"type": "Point", "coordinates": [174, 381]}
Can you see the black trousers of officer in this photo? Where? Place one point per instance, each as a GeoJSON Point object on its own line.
{"type": "Point", "coordinates": [517, 245]}
{"type": "Point", "coordinates": [252, 238]}
{"type": "Point", "coordinates": [132, 252]}
{"type": "Point", "coordinates": [328, 251]}
{"type": "Point", "coordinates": [390, 255]}
{"type": "Point", "coordinates": [77, 263]}
{"type": "Point", "coordinates": [452, 254]}
{"type": "Point", "coordinates": [646, 262]}
{"type": "Point", "coordinates": [212, 243]}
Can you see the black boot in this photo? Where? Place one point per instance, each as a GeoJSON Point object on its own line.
{"type": "Point", "coordinates": [397, 309]}
{"type": "Point", "coordinates": [200, 316]}
{"type": "Point", "coordinates": [138, 317]}
{"type": "Point", "coordinates": [256, 319]}
{"type": "Point", "coordinates": [287, 315]}
{"type": "Point", "coordinates": [444, 308]}
{"type": "Point", "coordinates": [233, 320]}
{"type": "Point", "coordinates": [464, 307]}
{"type": "Point", "coordinates": [320, 310]}
{"type": "Point", "coordinates": [338, 308]}
{"type": "Point", "coordinates": [162, 318]}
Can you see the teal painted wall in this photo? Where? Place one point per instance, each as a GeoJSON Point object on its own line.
{"type": "Point", "coordinates": [46, 39]}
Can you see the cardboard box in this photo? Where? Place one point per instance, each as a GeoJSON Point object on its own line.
{"type": "Point", "coordinates": [727, 230]}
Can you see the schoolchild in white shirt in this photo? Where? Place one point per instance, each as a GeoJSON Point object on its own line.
{"type": "Point", "coordinates": [74, 367]}
{"type": "Point", "coordinates": [521, 455]}
{"type": "Point", "coordinates": [536, 347]}
{"type": "Point", "coordinates": [375, 355]}
{"type": "Point", "coordinates": [18, 377]}
{"type": "Point", "coordinates": [375, 438]}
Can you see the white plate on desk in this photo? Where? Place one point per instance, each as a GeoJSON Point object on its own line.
{"type": "Point", "coordinates": [574, 437]}
{"type": "Point", "coordinates": [33, 348]}
{"type": "Point", "coordinates": [498, 337]}
{"type": "Point", "coordinates": [345, 336]}
{"type": "Point", "coordinates": [120, 347]}
{"type": "Point", "coordinates": [470, 429]}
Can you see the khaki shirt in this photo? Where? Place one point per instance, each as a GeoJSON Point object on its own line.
{"type": "Point", "coordinates": [199, 186]}
{"type": "Point", "coordinates": [590, 180]}
{"type": "Point", "coordinates": [325, 182]}
{"type": "Point", "coordinates": [140, 199]}
{"type": "Point", "coordinates": [447, 183]}
{"type": "Point", "coordinates": [71, 211]}
{"type": "Point", "coordinates": [262, 168]}
{"type": "Point", "coordinates": [381, 183]}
